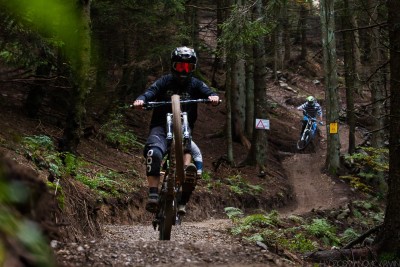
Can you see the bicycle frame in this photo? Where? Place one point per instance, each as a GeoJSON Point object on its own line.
{"type": "Point", "coordinates": [178, 136]}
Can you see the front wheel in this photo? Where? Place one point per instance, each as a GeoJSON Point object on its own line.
{"type": "Point", "coordinates": [304, 141]}
{"type": "Point", "coordinates": [178, 138]}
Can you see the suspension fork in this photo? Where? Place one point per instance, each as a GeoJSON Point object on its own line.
{"type": "Point", "coordinates": [185, 126]}
{"type": "Point", "coordinates": [187, 139]}
{"type": "Point", "coordinates": [169, 127]}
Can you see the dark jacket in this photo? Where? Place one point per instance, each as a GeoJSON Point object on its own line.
{"type": "Point", "coordinates": [313, 111]}
{"type": "Point", "coordinates": [165, 87]}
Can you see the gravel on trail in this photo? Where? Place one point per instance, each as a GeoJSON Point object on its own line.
{"type": "Point", "coordinates": [206, 243]}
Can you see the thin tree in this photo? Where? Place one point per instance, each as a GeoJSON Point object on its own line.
{"type": "Point", "coordinates": [286, 33]}
{"type": "Point", "coordinates": [377, 80]}
{"type": "Point", "coordinates": [350, 71]}
{"type": "Point", "coordinates": [238, 76]}
{"type": "Point", "coordinates": [302, 29]}
{"type": "Point", "coordinates": [331, 84]}
{"type": "Point", "coordinates": [249, 90]}
{"type": "Point", "coordinates": [259, 147]}
{"type": "Point", "coordinates": [81, 48]}
{"type": "Point", "coordinates": [235, 32]}
{"type": "Point", "coordinates": [390, 237]}
{"type": "Point", "coordinates": [217, 57]}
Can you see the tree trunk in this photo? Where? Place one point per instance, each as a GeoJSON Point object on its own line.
{"type": "Point", "coordinates": [286, 33]}
{"type": "Point", "coordinates": [217, 58]}
{"type": "Point", "coordinates": [350, 73]}
{"type": "Point", "coordinates": [377, 80]}
{"type": "Point", "coordinates": [377, 86]}
{"type": "Point", "coordinates": [228, 97]}
{"type": "Point", "coordinates": [238, 91]}
{"type": "Point", "coordinates": [239, 101]}
{"type": "Point", "coordinates": [190, 17]}
{"type": "Point", "coordinates": [81, 70]}
{"type": "Point", "coordinates": [249, 91]}
{"type": "Point", "coordinates": [36, 93]}
{"type": "Point", "coordinates": [330, 67]}
{"type": "Point", "coordinates": [259, 147]}
{"type": "Point", "coordinates": [390, 238]}
{"type": "Point", "coordinates": [303, 31]}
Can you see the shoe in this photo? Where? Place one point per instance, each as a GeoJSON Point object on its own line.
{"type": "Point", "coordinates": [152, 203]}
{"type": "Point", "coordinates": [191, 171]}
{"type": "Point", "coordinates": [182, 209]}
{"type": "Point", "coordinates": [199, 173]}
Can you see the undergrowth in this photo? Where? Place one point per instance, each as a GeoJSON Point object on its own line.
{"type": "Point", "coordinates": [104, 182]}
{"type": "Point", "coordinates": [301, 234]}
{"type": "Point", "coordinates": [235, 183]}
{"type": "Point", "coordinates": [369, 170]}
{"type": "Point", "coordinates": [118, 135]}
{"type": "Point", "coordinates": [23, 234]}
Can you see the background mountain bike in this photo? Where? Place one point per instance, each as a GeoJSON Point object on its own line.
{"type": "Point", "coordinates": [173, 173]}
{"type": "Point", "coordinates": [309, 132]}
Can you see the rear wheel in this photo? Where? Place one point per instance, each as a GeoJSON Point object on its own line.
{"type": "Point", "coordinates": [167, 217]}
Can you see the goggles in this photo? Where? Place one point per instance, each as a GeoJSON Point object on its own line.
{"type": "Point", "coordinates": [183, 67]}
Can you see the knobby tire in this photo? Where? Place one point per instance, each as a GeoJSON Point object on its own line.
{"type": "Point", "coordinates": [178, 138]}
{"type": "Point", "coordinates": [168, 208]}
{"type": "Point", "coordinates": [167, 217]}
{"type": "Point", "coordinates": [302, 144]}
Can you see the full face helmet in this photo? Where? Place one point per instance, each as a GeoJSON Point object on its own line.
{"type": "Point", "coordinates": [310, 100]}
{"type": "Point", "coordinates": [183, 61]}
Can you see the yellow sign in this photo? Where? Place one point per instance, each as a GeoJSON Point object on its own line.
{"type": "Point", "coordinates": [333, 128]}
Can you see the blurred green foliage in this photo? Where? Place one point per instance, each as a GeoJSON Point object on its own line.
{"type": "Point", "coordinates": [18, 233]}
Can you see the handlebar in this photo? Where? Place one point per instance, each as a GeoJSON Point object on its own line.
{"type": "Point", "coordinates": [154, 104]}
{"type": "Point", "coordinates": [312, 118]}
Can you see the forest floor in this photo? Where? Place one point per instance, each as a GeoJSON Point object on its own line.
{"type": "Point", "coordinates": [118, 232]}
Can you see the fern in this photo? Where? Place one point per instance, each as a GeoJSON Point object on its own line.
{"type": "Point", "coordinates": [348, 235]}
{"type": "Point", "coordinates": [233, 213]}
{"type": "Point", "coordinates": [322, 229]}
{"type": "Point", "coordinates": [257, 220]}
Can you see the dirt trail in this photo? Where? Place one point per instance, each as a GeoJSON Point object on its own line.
{"type": "Point", "coordinates": [193, 244]}
{"type": "Point", "coordinates": [313, 189]}
{"type": "Point", "coordinates": [206, 243]}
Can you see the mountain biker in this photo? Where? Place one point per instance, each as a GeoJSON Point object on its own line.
{"type": "Point", "coordinates": [312, 108]}
{"type": "Point", "coordinates": [179, 81]}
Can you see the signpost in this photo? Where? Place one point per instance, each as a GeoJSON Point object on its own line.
{"type": "Point", "coordinates": [262, 124]}
{"type": "Point", "coordinates": [333, 128]}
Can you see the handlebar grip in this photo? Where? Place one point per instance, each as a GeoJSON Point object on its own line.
{"type": "Point", "coordinates": [132, 106]}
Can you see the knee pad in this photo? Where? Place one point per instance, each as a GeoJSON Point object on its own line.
{"type": "Point", "coordinates": [153, 161]}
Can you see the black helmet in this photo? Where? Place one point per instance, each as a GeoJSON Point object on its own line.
{"type": "Point", "coordinates": [311, 100]}
{"type": "Point", "coordinates": [183, 61]}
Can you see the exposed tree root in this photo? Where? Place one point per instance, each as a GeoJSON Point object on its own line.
{"type": "Point", "coordinates": [359, 254]}
{"type": "Point", "coordinates": [362, 237]}
{"type": "Point", "coordinates": [347, 253]}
